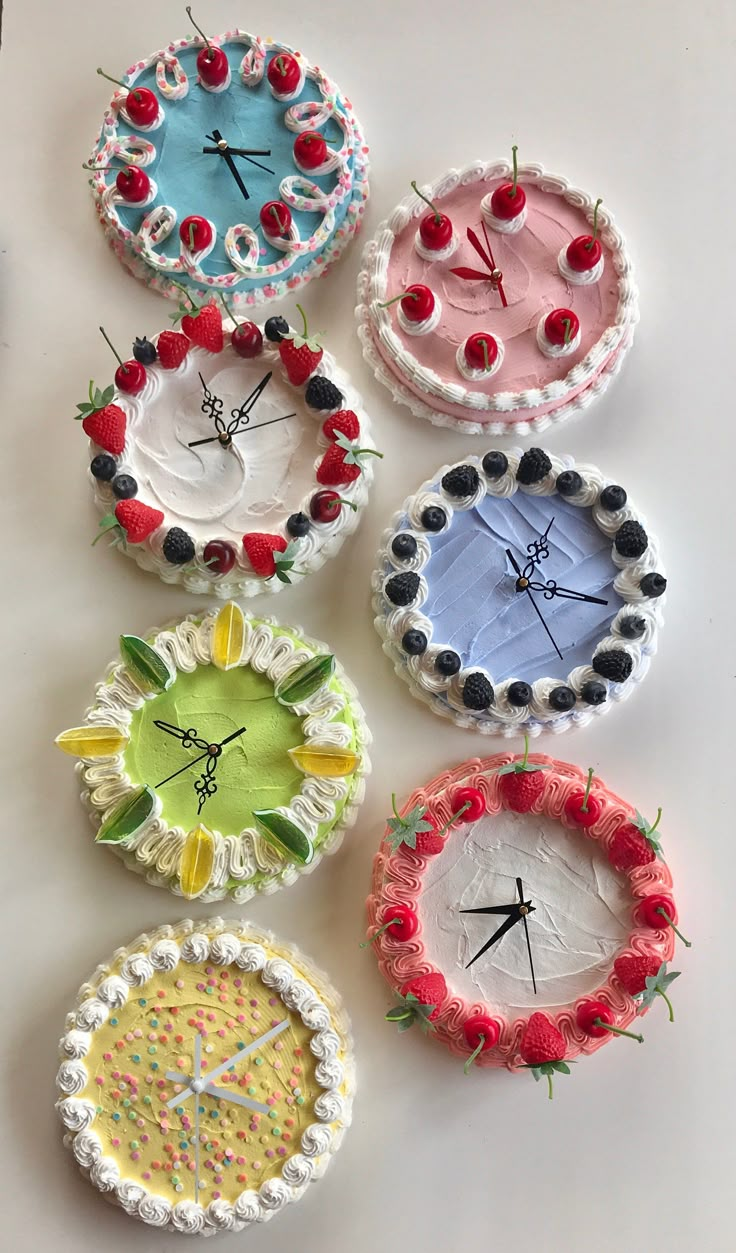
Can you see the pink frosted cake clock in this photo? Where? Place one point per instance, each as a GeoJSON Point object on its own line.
{"type": "Point", "coordinates": [498, 298]}
{"type": "Point", "coordinates": [522, 913]}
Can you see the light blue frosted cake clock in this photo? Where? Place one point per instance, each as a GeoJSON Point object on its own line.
{"type": "Point", "coordinates": [230, 166]}
{"type": "Point", "coordinates": [518, 591]}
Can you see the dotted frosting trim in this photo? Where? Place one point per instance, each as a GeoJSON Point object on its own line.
{"type": "Point", "coordinates": [591, 376]}
{"type": "Point", "coordinates": [397, 879]}
{"type": "Point", "coordinates": [301, 987]}
{"type": "Point", "coordinates": [444, 694]}
{"type": "Point", "coordinates": [155, 850]}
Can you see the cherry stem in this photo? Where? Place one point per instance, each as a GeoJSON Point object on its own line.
{"type": "Point", "coordinates": [550, 1093]}
{"type": "Point", "coordinates": [305, 330]}
{"type": "Point", "coordinates": [404, 295]}
{"type": "Point", "coordinates": [115, 352]}
{"type": "Point", "coordinates": [119, 83]}
{"type": "Point", "coordinates": [670, 923]}
{"type": "Point", "coordinates": [426, 200]}
{"type": "Point", "coordinates": [594, 236]}
{"type": "Point", "coordinates": [184, 292]}
{"type": "Point", "coordinates": [566, 322]}
{"type": "Point", "coordinates": [391, 923]}
{"type": "Point", "coordinates": [484, 347]}
{"type": "Point", "coordinates": [116, 169]}
{"type": "Point", "coordinates": [350, 504]}
{"type": "Point", "coordinates": [668, 1003]}
{"type": "Point", "coordinates": [454, 818]}
{"type": "Point", "coordinates": [607, 1026]}
{"type": "Point", "coordinates": [227, 311]}
{"type": "Point", "coordinates": [281, 66]}
{"type": "Point", "coordinates": [198, 28]}
{"type": "Point", "coordinates": [513, 158]}
{"type": "Point", "coordinates": [478, 1049]}
{"type": "Point", "coordinates": [584, 806]}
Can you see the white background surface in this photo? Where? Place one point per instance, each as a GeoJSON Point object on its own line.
{"type": "Point", "coordinates": [635, 102]}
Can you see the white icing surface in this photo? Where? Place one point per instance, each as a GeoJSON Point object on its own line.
{"type": "Point", "coordinates": [582, 913]}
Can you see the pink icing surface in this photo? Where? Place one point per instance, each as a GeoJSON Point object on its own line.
{"type": "Point", "coordinates": [533, 287]}
{"type": "Point", "coordinates": [397, 879]}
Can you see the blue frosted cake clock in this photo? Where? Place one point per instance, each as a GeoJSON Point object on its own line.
{"type": "Point", "coordinates": [228, 165]}
{"type": "Point", "coordinates": [519, 591]}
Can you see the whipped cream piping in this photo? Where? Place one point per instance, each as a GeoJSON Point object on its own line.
{"type": "Point", "coordinates": [417, 386]}
{"type": "Point", "coordinates": [398, 879]}
{"type": "Point", "coordinates": [139, 250]}
{"type": "Point", "coordinates": [155, 850]}
{"type": "Point", "coordinates": [305, 990]}
{"type": "Point", "coordinates": [443, 694]}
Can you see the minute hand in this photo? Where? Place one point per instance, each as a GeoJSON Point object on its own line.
{"type": "Point", "coordinates": [551, 589]}
{"type": "Point", "coordinates": [533, 603]}
{"type": "Point", "coordinates": [510, 922]}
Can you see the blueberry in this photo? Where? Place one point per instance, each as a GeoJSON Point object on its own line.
{"type": "Point", "coordinates": [594, 692]}
{"type": "Point", "coordinates": [144, 351]}
{"type": "Point", "coordinates": [275, 329]}
{"type": "Point", "coordinates": [569, 483]}
{"type": "Point", "coordinates": [632, 626]}
{"type": "Point", "coordinates": [447, 662]}
{"type": "Point", "coordinates": [433, 518]}
{"type": "Point", "coordinates": [519, 693]}
{"type": "Point", "coordinates": [404, 546]}
{"type": "Point", "coordinates": [495, 464]}
{"type": "Point", "coordinates": [613, 497]}
{"type": "Point", "coordinates": [653, 584]}
{"type": "Point", "coordinates": [103, 467]}
{"type": "Point", "coordinates": [414, 643]}
{"type": "Point", "coordinates": [124, 486]}
{"type": "Point", "coordinates": [562, 698]}
{"type": "Point", "coordinates": [298, 525]}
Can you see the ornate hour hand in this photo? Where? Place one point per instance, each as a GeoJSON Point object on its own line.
{"type": "Point", "coordinates": [522, 585]}
{"type": "Point", "coordinates": [189, 738]}
{"type": "Point", "coordinates": [211, 405]}
{"type": "Point", "coordinates": [239, 416]}
{"type": "Point", "coordinates": [213, 751]}
{"type": "Point", "coordinates": [551, 589]}
{"type": "Point", "coordinates": [538, 551]}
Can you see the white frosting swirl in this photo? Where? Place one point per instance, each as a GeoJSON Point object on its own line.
{"type": "Point", "coordinates": [113, 991]}
{"type": "Point", "coordinates": [137, 969]}
{"type": "Point", "coordinates": [196, 948]}
{"type": "Point", "coordinates": [105, 1174]}
{"type": "Point", "coordinates": [165, 955]}
{"type": "Point", "coordinates": [225, 948]}
{"type": "Point", "coordinates": [76, 1043]}
{"type": "Point", "coordinates": [297, 995]}
{"type": "Point", "coordinates": [329, 1107]}
{"type": "Point", "coordinates": [71, 1077]}
{"type": "Point", "coordinates": [277, 974]}
{"type": "Point", "coordinates": [251, 957]}
{"type": "Point", "coordinates": [188, 1217]}
{"type": "Point", "coordinates": [76, 1115]}
{"type": "Point", "coordinates": [316, 1140]}
{"type": "Point", "coordinates": [248, 1207]}
{"type": "Point", "coordinates": [274, 1195]}
{"type": "Point", "coordinates": [298, 1171]}
{"type": "Point", "coordinates": [87, 1148]}
{"type": "Point", "coordinates": [91, 1014]}
{"type": "Point", "coordinates": [221, 1215]}
{"type": "Point", "coordinates": [130, 1195]}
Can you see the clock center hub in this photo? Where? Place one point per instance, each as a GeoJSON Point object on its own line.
{"type": "Point", "coordinates": [522, 583]}
{"type": "Point", "coordinates": [214, 750]}
{"type": "Point", "coordinates": [197, 1086]}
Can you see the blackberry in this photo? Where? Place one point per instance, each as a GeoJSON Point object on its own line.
{"type": "Point", "coordinates": [562, 698]}
{"type": "Point", "coordinates": [433, 518]}
{"type": "Point", "coordinates": [298, 524]}
{"type": "Point", "coordinates": [594, 692]}
{"type": "Point", "coordinates": [519, 693]}
{"type": "Point", "coordinates": [495, 464]}
{"type": "Point", "coordinates": [401, 589]}
{"type": "Point", "coordinates": [322, 394]}
{"type": "Point", "coordinates": [275, 329]}
{"type": "Point", "coordinates": [144, 351]}
{"type": "Point", "coordinates": [103, 467]}
{"type": "Point", "coordinates": [477, 692]}
{"type": "Point", "coordinates": [569, 483]}
{"type": "Point", "coordinates": [461, 481]}
{"type": "Point", "coordinates": [653, 584]}
{"type": "Point", "coordinates": [631, 539]}
{"type": "Point", "coordinates": [632, 626]}
{"type": "Point", "coordinates": [414, 643]}
{"type": "Point", "coordinates": [447, 662]}
{"type": "Point", "coordinates": [178, 547]}
{"type": "Point", "coordinates": [613, 497]}
{"type": "Point", "coordinates": [534, 466]}
{"type": "Point", "coordinates": [404, 546]}
{"type": "Point", "coordinates": [124, 486]}
{"type": "Point", "coordinates": [614, 664]}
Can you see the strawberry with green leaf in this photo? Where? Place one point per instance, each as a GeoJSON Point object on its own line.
{"type": "Point", "coordinates": [635, 844]}
{"type": "Point", "coordinates": [132, 522]}
{"type": "Point", "coordinates": [420, 1002]}
{"type": "Point", "coordinates": [300, 354]}
{"type": "Point", "coordinates": [417, 829]}
{"type": "Point", "coordinates": [343, 462]}
{"type": "Point", "coordinates": [645, 977]}
{"type": "Point", "coordinates": [103, 421]}
{"type": "Point", "coordinates": [543, 1050]}
{"type": "Point", "coordinates": [270, 555]}
{"type": "Point", "coordinates": [522, 782]}
{"type": "Point", "coordinates": [202, 324]}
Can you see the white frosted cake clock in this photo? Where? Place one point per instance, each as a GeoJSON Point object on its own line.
{"type": "Point", "coordinates": [229, 164]}
{"type": "Point", "coordinates": [499, 298]}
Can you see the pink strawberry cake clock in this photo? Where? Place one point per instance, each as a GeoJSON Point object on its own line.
{"type": "Point", "coordinates": [522, 914]}
{"type": "Point", "coordinates": [500, 298]}
{"type": "Point", "coordinates": [519, 591]}
{"type": "Point", "coordinates": [232, 458]}
{"type": "Point", "coordinates": [228, 164]}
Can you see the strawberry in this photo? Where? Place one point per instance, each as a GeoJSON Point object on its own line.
{"type": "Point", "coordinates": [203, 325]}
{"type": "Point", "coordinates": [342, 461]}
{"type": "Point", "coordinates": [172, 349]}
{"type": "Point", "coordinates": [420, 1001]}
{"type": "Point", "coordinates": [417, 830]}
{"type": "Point", "coordinates": [645, 977]}
{"type": "Point", "coordinates": [300, 354]}
{"type": "Point", "coordinates": [343, 423]}
{"type": "Point", "coordinates": [103, 421]}
{"type": "Point", "coordinates": [269, 555]}
{"type": "Point", "coordinates": [137, 520]}
{"type": "Point", "coordinates": [543, 1049]}
{"type": "Point", "coordinates": [522, 782]}
{"type": "Point", "coordinates": [634, 844]}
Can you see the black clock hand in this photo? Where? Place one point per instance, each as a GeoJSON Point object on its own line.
{"type": "Point", "coordinates": [241, 414]}
{"type": "Point", "coordinates": [538, 552]}
{"type": "Point", "coordinates": [510, 922]}
{"type": "Point", "coordinates": [550, 589]}
{"type": "Point", "coordinates": [498, 909]}
{"type": "Point", "coordinates": [239, 152]}
{"type": "Point", "coordinates": [524, 910]}
{"type": "Point", "coordinates": [212, 439]}
{"type": "Point", "coordinates": [195, 760]}
{"type": "Point", "coordinates": [187, 737]}
{"type": "Point", "coordinates": [522, 586]}
{"type": "Point", "coordinates": [205, 786]}
{"type": "Point", "coordinates": [222, 149]}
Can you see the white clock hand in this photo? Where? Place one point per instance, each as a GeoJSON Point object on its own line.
{"type": "Point", "coordinates": [197, 1076]}
{"type": "Point", "coordinates": [222, 1094]}
{"type": "Point", "coordinates": [228, 1064]}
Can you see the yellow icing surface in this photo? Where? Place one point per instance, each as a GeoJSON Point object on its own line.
{"type": "Point", "coordinates": [154, 1033]}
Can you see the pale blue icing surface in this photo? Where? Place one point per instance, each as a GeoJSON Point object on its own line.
{"type": "Point", "coordinates": [473, 604]}
{"type": "Point", "coordinates": [194, 183]}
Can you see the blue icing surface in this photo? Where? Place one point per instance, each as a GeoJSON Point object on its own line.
{"type": "Point", "coordinates": [194, 183]}
{"type": "Point", "coordinates": [473, 604]}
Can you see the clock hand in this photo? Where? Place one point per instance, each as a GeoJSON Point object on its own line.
{"type": "Point", "coordinates": [187, 737]}
{"type": "Point", "coordinates": [195, 760]}
{"type": "Point", "coordinates": [241, 414]}
{"type": "Point", "coordinates": [550, 589]}
{"type": "Point", "coordinates": [223, 151]}
{"type": "Point", "coordinates": [223, 1094]}
{"type": "Point", "coordinates": [211, 404]}
{"type": "Point", "coordinates": [522, 586]}
{"type": "Point", "coordinates": [197, 1076]}
{"type": "Point", "coordinates": [510, 922]}
{"type": "Point", "coordinates": [538, 551]}
{"type": "Point", "coordinates": [497, 909]}
{"type": "Point", "coordinates": [499, 281]}
{"type": "Point", "coordinates": [214, 438]}
{"type": "Point", "coordinates": [231, 1062]}
{"type": "Point", "coordinates": [240, 152]}
{"type": "Point", "coordinates": [524, 910]}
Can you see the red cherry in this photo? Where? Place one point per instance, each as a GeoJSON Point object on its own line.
{"type": "Point", "coordinates": [133, 184]}
{"type": "Point", "coordinates": [475, 355]}
{"type": "Point", "coordinates": [658, 911]}
{"type": "Point", "coordinates": [213, 66]}
{"type": "Point", "coordinates": [481, 1025]}
{"type": "Point", "coordinates": [275, 218]}
{"type": "Point", "coordinates": [247, 339]}
{"type": "Point", "coordinates": [399, 921]}
{"type": "Point", "coordinates": [582, 807]}
{"type": "Point", "coordinates": [130, 377]}
{"type": "Point", "coordinates": [141, 106]}
{"type": "Point", "coordinates": [196, 233]}
{"type": "Point", "coordinates": [561, 326]}
{"type": "Point", "coordinates": [310, 150]}
{"type": "Point", "coordinates": [326, 506]}
{"type": "Point", "coordinates": [471, 797]}
{"type": "Point", "coordinates": [218, 556]}
{"type": "Point", "coordinates": [435, 230]}
{"type": "Point", "coordinates": [583, 253]}
{"type": "Point", "coordinates": [507, 201]}
{"type": "Point", "coordinates": [283, 73]}
{"type": "Point", "coordinates": [417, 302]}
{"type": "Point", "coordinates": [596, 1019]}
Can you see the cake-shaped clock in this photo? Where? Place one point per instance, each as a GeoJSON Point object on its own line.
{"type": "Point", "coordinates": [232, 459]}
{"type": "Point", "coordinates": [230, 165]}
{"type": "Point", "coordinates": [518, 591]}
{"type": "Point", "coordinates": [522, 913]}
{"type": "Point", "coordinates": [206, 1077]}
{"type": "Point", "coordinates": [499, 298]}
{"type": "Point", "coordinates": [222, 756]}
